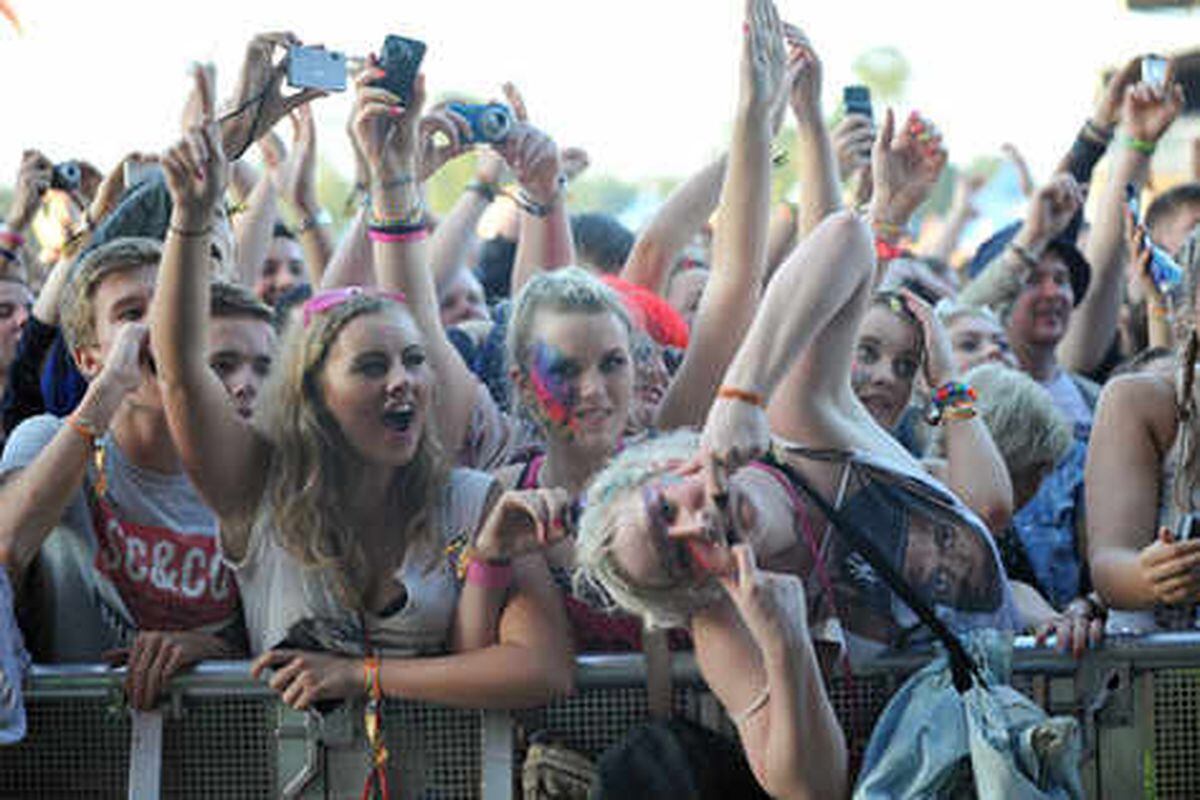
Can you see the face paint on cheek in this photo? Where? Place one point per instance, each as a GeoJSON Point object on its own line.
{"type": "Point", "coordinates": [859, 376]}
{"type": "Point", "coordinates": [555, 398]}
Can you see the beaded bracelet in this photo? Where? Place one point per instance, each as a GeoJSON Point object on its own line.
{"type": "Point", "coordinates": [953, 400]}
{"type": "Point", "coordinates": [403, 237]}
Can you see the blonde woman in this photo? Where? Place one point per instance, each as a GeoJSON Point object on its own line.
{"type": "Point", "coordinates": [346, 527]}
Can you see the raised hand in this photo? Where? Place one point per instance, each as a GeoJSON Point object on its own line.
{"type": "Point", "coordinates": [108, 194]}
{"type": "Point", "coordinates": [853, 139]}
{"type": "Point", "coordinates": [574, 162]}
{"type": "Point", "coordinates": [258, 101]}
{"type": "Point", "coordinates": [1011, 152]}
{"type": "Point", "coordinates": [763, 62]}
{"type": "Point", "coordinates": [384, 130]}
{"type": "Point", "coordinates": [966, 186]}
{"type": "Point", "coordinates": [445, 135]}
{"type": "Point", "coordinates": [195, 168]}
{"type": "Point", "coordinates": [303, 677]}
{"type": "Point", "coordinates": [905, 167]}
{"type": "Point", "coordinates": [33, 179]}
{"type": "Point", "coordinates": [771, 604]}
{"type": "Point", "coordinates": [296, 177]}
{"type": "Point", "coordinates": [524, 521]}
{"type": "Point", "coordinates": [1050, 211]}
{"type": "Point", "coordinates": [1108, 105]}
{"type": "Point", "coordinates": [1147, 111]}
{"type": "Point", "coordinates": [802, 77]}
{"type": "Point", "coordinates": [535, 161]}
{"type": "Point", "coordinates": [939, 355]}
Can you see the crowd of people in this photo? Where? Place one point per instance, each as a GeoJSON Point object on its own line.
{"type": "Point", "coordinates": [421, 462]}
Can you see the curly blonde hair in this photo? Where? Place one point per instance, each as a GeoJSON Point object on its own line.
{"type": "Point", "coordinates": [607, 510]}
{"type": "Point", "coordinates": [313, 468]}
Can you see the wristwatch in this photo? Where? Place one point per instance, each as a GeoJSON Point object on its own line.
{"type": "Point", "coordinates": [306, 224]}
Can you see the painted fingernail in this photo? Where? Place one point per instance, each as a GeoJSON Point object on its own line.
{"type": "Point", "coordinates": [395, 111]}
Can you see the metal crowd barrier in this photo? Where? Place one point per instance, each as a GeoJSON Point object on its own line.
{"type": "Point", "coordinates": [219, 733]}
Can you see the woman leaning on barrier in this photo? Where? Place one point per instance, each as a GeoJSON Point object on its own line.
{"type": "Point", "coordinates": [349, 532]}
{"type": "Point", "coordinates": [1143, 485]}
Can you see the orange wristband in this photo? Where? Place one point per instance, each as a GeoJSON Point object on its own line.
{"type": "Point", "coordinates": [84, 428]}
{"type": "Point", "coordinates": [733, 393]}
{"type": "Point", "coordinates": [371, 678]}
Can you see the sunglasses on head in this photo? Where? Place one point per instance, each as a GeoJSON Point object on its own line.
{"type": "Point", "coordinates": [326, 299]}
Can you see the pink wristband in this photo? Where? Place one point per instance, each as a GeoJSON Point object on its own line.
{"type": "Point", "coordinates": [489, 576]}
{"type": "Point", "coordinates": [397, 238]}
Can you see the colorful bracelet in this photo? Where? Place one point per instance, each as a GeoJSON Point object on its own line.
{"type": "Point", "coordinates": [887, 230]}
{"type": "Point", "coordinates": [953, 400]}
{"type": "Point", "coordinates": [87, 430]}
{"type": "Point", "coordinates": [1140, 145]}
{"type": "Point", "coordinates": [734, 393]}
{"type": "Point", "coordinates": [321, 218]}
{"type": "Point", "coordinates": [1159, 312]}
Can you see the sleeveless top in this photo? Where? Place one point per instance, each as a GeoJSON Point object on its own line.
{"type": "Point", "coordinates": [287, 603]}
{"type": "Point", "coordinates": [938, 544]}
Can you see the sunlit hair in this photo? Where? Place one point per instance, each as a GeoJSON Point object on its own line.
{"type": "Point", "coordinates": [1027, 427]}
{"type": "Point", "coordinates": [949, 312]}
{"type": "Point", "coordinates": [314, 468]}
{"type": "Point", "coordinates": [119, 255]}
{"type": "Point", "coordinates": [612, 503]}
{"type": "Point", "coordinates": [567, 290]}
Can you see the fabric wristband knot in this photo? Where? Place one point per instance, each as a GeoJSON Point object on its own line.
{"type": "Point", "coordinates": [742, 395]}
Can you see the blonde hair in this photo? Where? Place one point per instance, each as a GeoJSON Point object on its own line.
{"type": "Point", "coordinates": [1020, 414]}
{"type": "Point", "coordinates": [120, 255]}
{"type": "Point", "coordinates": [314, 469]}
{"type": "Point", "coordinates": [570, 289]}
{"type": "Point", "coordinates": [608, 508]}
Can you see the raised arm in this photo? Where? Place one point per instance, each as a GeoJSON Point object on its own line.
{"type": "Point", "coordinates": [388, 136]}
{"type": "Point", "coordinates": [297, 185]}
{"type": "Point", "coordinates": [1146, 113]}
{"type": "Point", "coordinates": [254, 227]}
{"type": "Point", "coordinates": [452, 240]}
{"type": "Point", "coordinates": [820, 194]}
{"type": "Point", "coordinates": [757, 656]}
{"type": "Point", "coordinates": [545, 241]}
{"type": "Point", "coordinates": [223, 456]}
{"type": "Point", "coordinates": [673, 226]}
{"type": "Point", "coordinates": [1050, 211]}
{"type": "Point", "coordinates": [976, 470]}
{"type": "Point", "coordinates": [740, 245]}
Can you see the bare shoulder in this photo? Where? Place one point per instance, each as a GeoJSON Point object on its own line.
{"type": "Point", "coordinates": [1145, 401]}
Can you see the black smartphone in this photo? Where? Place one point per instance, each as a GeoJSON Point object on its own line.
{"type": "Point", "coordinates": [857, 100]}
{"type": "Point", "coordinates": [400, 59]}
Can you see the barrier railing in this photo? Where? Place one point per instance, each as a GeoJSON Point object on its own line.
{"type": "Point", "coordinates": [221, 734]}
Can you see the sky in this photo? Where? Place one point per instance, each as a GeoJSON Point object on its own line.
{"type": "Point", "coordinates": [647, 87]}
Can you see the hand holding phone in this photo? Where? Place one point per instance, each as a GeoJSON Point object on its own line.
{"type": "Point", "coordinates": [1154, 71]}
{"type": "Point", "coordinates": [400, 59]}
{"type": "Point", "coordinates": [857, 100]}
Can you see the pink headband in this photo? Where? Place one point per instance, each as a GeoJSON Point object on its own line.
{"type": "Point", "coordinates": [326, 299]}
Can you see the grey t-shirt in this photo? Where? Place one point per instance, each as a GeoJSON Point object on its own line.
{"type": "Point", "coordinates": [142, 557]}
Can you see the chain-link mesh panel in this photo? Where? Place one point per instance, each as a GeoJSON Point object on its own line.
{"type": "Point", "coordinates": [74, 748]}
{"type": "Point", "coordinates": [220, 747]}
{"type": "Point", "coordinates": [434, 749]}
{"type": "Point", "coordinates": [1175, 772]}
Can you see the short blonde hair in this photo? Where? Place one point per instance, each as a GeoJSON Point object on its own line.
{"type": "Point", "coordinates": [607, 510]}
{"type": "Point", "coordinates": [119, 255]}
{"type": "Point", "coordinates": [1020, 414]}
